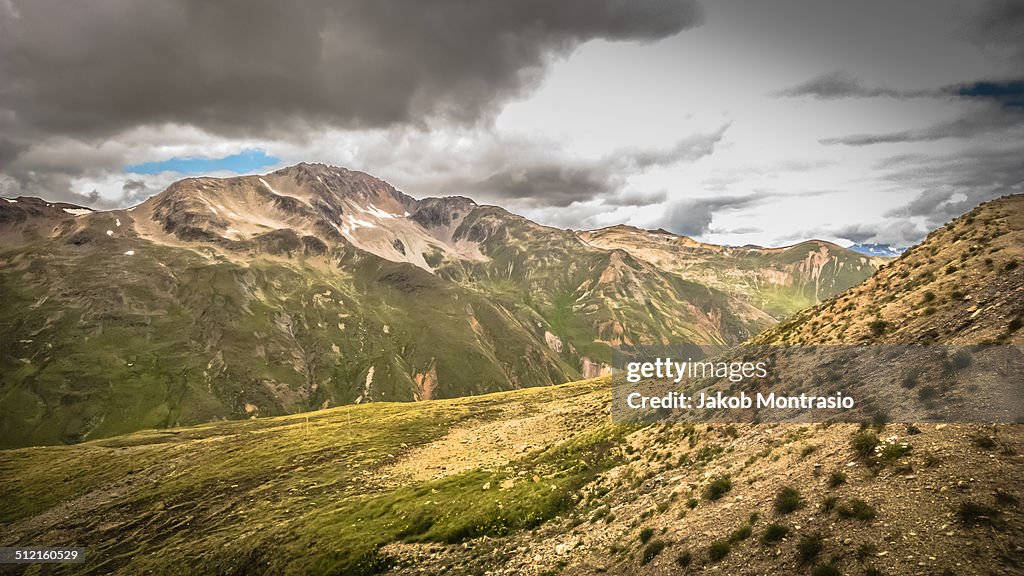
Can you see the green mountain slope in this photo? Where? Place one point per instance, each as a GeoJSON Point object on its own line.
{"type": "Point", "coordinates": [312, 287]}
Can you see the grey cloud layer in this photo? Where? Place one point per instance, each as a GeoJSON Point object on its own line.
{"type": "Point", "coordinates": [523, 172]}
{"type": "Point", "coordinates": [267, 67]}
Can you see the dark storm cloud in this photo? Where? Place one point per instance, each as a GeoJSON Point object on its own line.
{"type": "Point", "coordinates": [694, 217]}
{"type": "Point", "coordinates": [552, 183]}
{"type": "Point", "coordinates": [551, 179]}
{"type": "Point", "coordinates": [266, 67]}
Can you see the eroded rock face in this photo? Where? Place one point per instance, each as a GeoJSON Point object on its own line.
{"type": "Point", "coordinates": [592, 369]}
{"type": "Point", "coordinates": [554, 342]}
{"type": "Point", "coordinates": [441, 212]}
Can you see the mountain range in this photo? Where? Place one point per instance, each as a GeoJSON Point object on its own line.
{"type": "Point", "coordinates": [880, 250]}
{"type": "Point", "coordinates": [316, 286]}
{"type": "Point", "coordinates": [540, 481]}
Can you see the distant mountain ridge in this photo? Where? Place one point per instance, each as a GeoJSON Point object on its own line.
{"type": "Point", "coordinates": [880, 250]}
{"type": "Point", "coordinates": [314, 286]}
{"type": "Point", "coordinates": [780, 281]}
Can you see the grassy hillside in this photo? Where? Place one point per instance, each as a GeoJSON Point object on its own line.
{"type": "Point", "coordinates": [539, 481]}
{"type": "Point", "coordinates": [318, 493]}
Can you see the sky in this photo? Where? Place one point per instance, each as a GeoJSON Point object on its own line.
{"type": "Point", "coordinates": [731, 122]}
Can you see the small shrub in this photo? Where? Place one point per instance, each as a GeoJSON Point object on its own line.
{"type": "Point", "coordinates": [809, 547]}
{"type": "Point", "coordinates": [684, 559]}
{"type": "Point", "coordinates": [718, 550]}
{"type": "Point", "coordinates": [753, 518]}
{"type": "Point", "coordinates": [878, 327]}
{"type": "Point", "coordinates": [652, 550]}
{"type": "Point", "coordinates": [826, 570]}
{"type": "Point", "coordinates": [829, 503]}
{"type": "Point", "coordinates": [1005, 498]}
{"type": "Point", "coordinates": [929, 296]}
{"type": "Point", "coordinates": [740, 534]}
{"type": "Point", "coordinates": [962, 359]}
{"type": "Point", "coordinates": [984, 442]}
{"type": "Point", "coordinates": [857, 509]}
{"type": "Point", "coordinates": [808, 450]}
{"type": "Point", "coordinates": [788, 500]}
{"type": "Point", "coordinates": [718, 488]}
{"type": "Point", "coordinates": [927, 393]}
{"type": "Point", "coordinates": [975, 513]}
{"type": "Point", "coordinates": [865, 551]}
{"type": "Point", "coordinates": [863, 443]}
{"type": "Point", "coordinates": [692, 503]}
{"type": "Point", "coordinates": [911, 379]}
{"type": "Point", "coordinates": [1011, 265]}
{"type": "Point", "coordinates": [836, 479]}
{"type": "Point", "coordinates": [774, 533]}
{"type": "Point", "coordinates": [646, 534]}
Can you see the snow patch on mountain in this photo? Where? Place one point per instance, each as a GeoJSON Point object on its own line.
{"type": "Point", "coordinates": [879, 250]}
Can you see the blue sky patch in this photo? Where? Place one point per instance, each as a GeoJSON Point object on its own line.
{"type": "Point", "coordinates": [245, 162]}
{"type": "Point", "coordinates": [1009, 94]}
